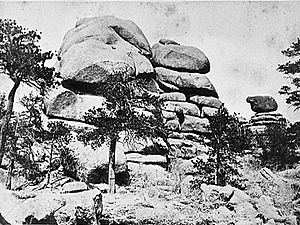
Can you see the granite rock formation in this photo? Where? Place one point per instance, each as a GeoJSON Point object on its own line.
{"type": "Point", "coordinates": [103, 46]}
{"type": "Point", "coordinates": [265, 113]}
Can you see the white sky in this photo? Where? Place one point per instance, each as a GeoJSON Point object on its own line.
{"type": "Point", "coordinates": [243, 40]}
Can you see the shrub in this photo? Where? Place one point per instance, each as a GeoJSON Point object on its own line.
{"type": "Point", "coordinates": [279, 144]}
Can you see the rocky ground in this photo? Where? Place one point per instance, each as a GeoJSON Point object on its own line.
{"type": "Point", "coordinates": [157, 197]}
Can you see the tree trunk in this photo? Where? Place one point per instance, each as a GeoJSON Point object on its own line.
{"type": "Point", "coordinates": [10, 174]}
{"type": "Point", "coordinates": [6, 119]}
{"type": "Point", "coordinates": [217, 179]}
{"type": "Point", "coordinates": [50, 165]}
{"type": "Point", "coordinates": [12, 160]}
{"type": "Point", "coordinates": [112, 166]}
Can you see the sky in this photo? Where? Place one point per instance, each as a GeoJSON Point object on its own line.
{"type": "Point", "coordinates": [242, 40]}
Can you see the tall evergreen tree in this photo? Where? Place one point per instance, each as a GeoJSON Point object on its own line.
{"type": "Point", "coordinates": [22, 60]}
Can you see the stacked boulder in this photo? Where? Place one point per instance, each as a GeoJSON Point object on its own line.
{"type": "Point", "coordinates": [264, 107]}
{"type": "Point", "coordinates": [100, 47]}
{"type": "Point", "coordinates": [189, 99]}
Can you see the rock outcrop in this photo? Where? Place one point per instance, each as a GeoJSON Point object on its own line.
{"type": "Point", "coordinates": [100, 47]}
{"type": "Point", "coordinates": [189, 100]}
{"type": "Point", "coordinates": [265, 113]}
{"type": "Point", "coordinates": [262, 103]}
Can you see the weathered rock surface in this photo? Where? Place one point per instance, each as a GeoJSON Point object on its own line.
{"type": "Point", "coordinates": [266, 207]}
{"type": "Point", "coordinates": [188, 83]}
{"type": "Point", "coordinates": [106, 29]}
{"type": "Point", "coordinates": [92, 61]}
{"type": "Point", "coordinates": [146, 159]}
{"type": "Point", "coordinates": [206, 101]}
{"type": "Point", "coordinates": [195, 124]}
{"type": "Point", "coordinates": [172, 125]}
{"type": "Point", "coordinates": [208, 112]}
{"type": "Point", "coordinates": [181, 107]}
{"type": "Point", "coordinates": [63, 103]}
{"type": "Point", "coordinates": [173, 96]}
{"type": "Point", "coordinates": [187, 149]}
{"type": "Point", "coordinates": [261, 103]}
{"type": "Point", "coordinates": [73, 187]}
{"type": "Point", "coordinates": [180, 57]}
{"type": "Point", "coordinates": [165, 41]}
{"type": "Point", "coordinates": [103, 46]}
{"type": "Point", "coordinates": [90, 159]}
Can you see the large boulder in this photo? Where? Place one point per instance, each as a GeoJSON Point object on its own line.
{"type": "Point", "coordinates": [106, 29]}
{"type": "Point", "coordinates": [262, 103]}
{"type": "Point", "coordinates": [188, 83]}
{"type": "Point", "coordinates": [180, 57]}
{"type": "Point", "coordinates": [103, 46]}
{"type": "Point", "coordinates": [63, 103]}
{"type": "Point", "coordinates": [91, 160]}
{"type": "Point", "coordinates": [92, 61]}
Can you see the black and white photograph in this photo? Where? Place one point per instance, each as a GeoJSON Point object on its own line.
{"type": "Point", "coordinates": [149, 112]}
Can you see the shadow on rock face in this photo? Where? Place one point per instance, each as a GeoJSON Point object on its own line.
{"type": "Point", "coordinates": [100, 175]}
{"type": "Point", "coordinates": [49, 219]}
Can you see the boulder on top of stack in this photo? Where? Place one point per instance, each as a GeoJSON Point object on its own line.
{"type": "Point", "coordinates": [265, 107]}
{"type": "Point", "coordinates": [170, 54]}
{"type": "Point", "coordinates": [102, 46]}
{"type": "Point", "coordinates": [262, 103]}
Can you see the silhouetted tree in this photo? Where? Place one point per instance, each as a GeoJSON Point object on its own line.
{"type": "Point", "coordinates": [23, 61]}
{"type": "Point", "coordinates": [292, 70]}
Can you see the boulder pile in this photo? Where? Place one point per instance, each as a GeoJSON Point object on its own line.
{"type": "Point", "coordinates": [265, 108]}
{"type": "Point", "coordinates": [100, 47]}
{"type": "Point", "coordinates": [189, 99]}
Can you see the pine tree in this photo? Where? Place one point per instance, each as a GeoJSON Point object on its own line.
{"type": "Point", "coordinates": [292, 69]}
{"type": "Point", "coordinates": [22, 60]}
{"type": "Point", "coordinates": [124, 96]}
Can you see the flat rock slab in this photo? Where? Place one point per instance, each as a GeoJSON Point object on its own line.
{"type": "Point", "coordinates": [173, 96]}
{"type": "Point", "coordinates": [180, 57]}
{"type": "Point", "coordinates": [206, 101]}
{"type": "Point", "coordinates": [147, 159]}
{"type": "Point", "coordinates": [181, 107]}
{"type": "Point", "coordinates": [195, 124]}
{"type": "Point", "coordinates": [63, 103]}
{"type": "Point", "coordinates": [74, 187]}
{"type": "Point", "coordinates": [262, 103]}
{"type": "Point", "coordinates": [187, 83]}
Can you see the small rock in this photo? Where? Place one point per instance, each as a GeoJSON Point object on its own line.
{"type": "Point", "coordinates": [173, 96]}
{"type": "Point", "coordinates": [265, 207]}
{"type": "Point", "coordinates": [74, 187]}
{"type": "Point", "coordinates": [165, 41]}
